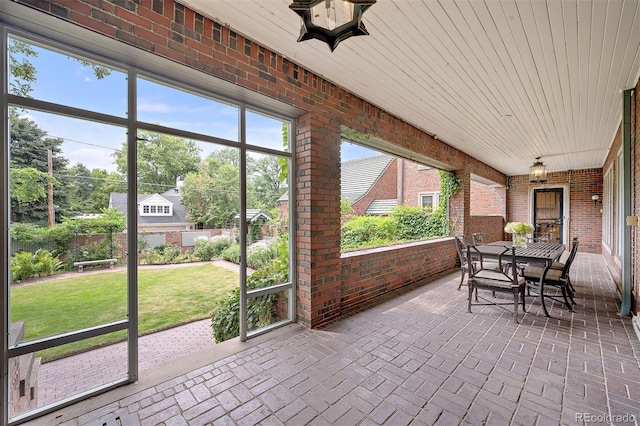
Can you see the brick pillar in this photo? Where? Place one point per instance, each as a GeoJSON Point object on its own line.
{"type": "Point", "coordinates": [318, 211]}
{"type": "Point", "coordinates": [460, 205]}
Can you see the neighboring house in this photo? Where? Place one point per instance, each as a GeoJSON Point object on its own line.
{"type": "Point", "coordinates": [375, 185]}
{"type": "Point", "coordinates": [255, 215]}
{"type": "Point", "coordinates": [156, 212]}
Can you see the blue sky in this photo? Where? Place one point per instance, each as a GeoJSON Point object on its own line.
{"type": "Point", "coordinates": [93, 144]}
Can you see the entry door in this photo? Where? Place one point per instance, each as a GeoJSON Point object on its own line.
{"type": "Point", "coordinates": [548, 212]}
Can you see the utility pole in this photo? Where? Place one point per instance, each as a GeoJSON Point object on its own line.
{"type": "Point", "coordinates": [50, 192]}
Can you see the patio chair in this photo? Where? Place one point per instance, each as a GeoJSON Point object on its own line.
{"type": "Point", "coordinates": [477, 239]}
{"type": "Point", "coordinates": [504, 280]}
{"type": "Point", "coordinates": [465, 265]}
{"type": "Point", "coordinates": [560, 265]}
{"type": "Point", "coordinates": [555, 278]}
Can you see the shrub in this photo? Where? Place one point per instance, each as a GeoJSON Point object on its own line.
{"type": "Point", "coordinates": [225, 320]}
{"type": "Point", "coordinates": [25, 265]}
{"type": "Point", "coordinates": [260, 254]}
{"type": "Point", "coordinates": [412, 223]}
{"type": "Point", "coordinates": [22, 266]}
{"type": "Point", "coordinates": [231, 253]}
{"type": "Point", "coordinates": [367, 230]}
{"type": "Point", "coordinates": [46, 263]}
{"type": "Point", "coordinates": [102, 249]}
{"type": "Point", "coordinates": [207, 248]}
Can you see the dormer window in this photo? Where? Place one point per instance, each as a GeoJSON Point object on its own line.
{"type": "Point", "coordinates": [156, 205]}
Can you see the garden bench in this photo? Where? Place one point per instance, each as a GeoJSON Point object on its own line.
{"type": "Point", "coordinates": [81, 265]}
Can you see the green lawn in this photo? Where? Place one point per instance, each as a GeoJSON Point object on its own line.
{"type": "Point", "coordinates": [166, 297]}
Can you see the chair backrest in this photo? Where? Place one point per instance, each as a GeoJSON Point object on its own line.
{"type": "Point", "coordinates": [461, 247]}
{"type": "Point", "coordinates": [477, 238]}
{"type": "Point", "coordinates": [506, 261]}
{"type": "Point", "coordinates": [572, 255]}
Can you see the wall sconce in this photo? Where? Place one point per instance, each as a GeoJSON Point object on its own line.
{"type": "Point", "coordinates": [596, 199]}
{"type": "Point", "coordinates": [331, 21]}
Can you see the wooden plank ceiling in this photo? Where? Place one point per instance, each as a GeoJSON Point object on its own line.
{"type": "Point", "coordinates": [505, 81]}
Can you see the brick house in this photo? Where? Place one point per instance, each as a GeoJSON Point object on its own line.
{"type": "Point", "coordinates": [374, 185]}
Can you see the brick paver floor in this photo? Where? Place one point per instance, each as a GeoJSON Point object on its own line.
{"type": "Point", "coordinates": [417, 358]}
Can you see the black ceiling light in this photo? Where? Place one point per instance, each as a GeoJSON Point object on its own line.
{"type": "Point", "coordinates": [538, 172]}
{"type": "Point", "coordinates": [331, 21]}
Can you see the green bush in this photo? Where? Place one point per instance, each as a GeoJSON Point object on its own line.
{"type": "Point", "coordinates": [412, 223]}
{"type": "Point", "coordinates": [25, 265]}
{"type": "Point", "coordinates": [260, 254]}
{"type": "Point", "coordinates": [225, 320]}
{"type": "Point", "coordinates": [364, 231]}
{"type": "Point", "coordinates": [207, 248]}
{"type": "Point", "coordinates": [22, 266]}
{"type": "Point", "coordinates": [231, 253]}
{"type": "Point", "coordinates": [46, 263]}
{"type": "Point", "coordinates": [103, 249]}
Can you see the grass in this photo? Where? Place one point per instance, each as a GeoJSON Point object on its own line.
{"type": "Point", "coordinates": [167, 297]}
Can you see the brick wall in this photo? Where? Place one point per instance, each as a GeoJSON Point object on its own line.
{"type": "Point", "coordinates": [491, 228]}
{"type": "Point", "coordinates": [418, 179]}
{"type": "Point", "coordinates": [487, 200]}
{"type": "Point", "coordinates": [370, 273]}
{"type": "Point", "coordinates": [585, 218]}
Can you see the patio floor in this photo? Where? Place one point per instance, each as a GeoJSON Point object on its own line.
{"type": "Point", "coordinates": [416, 358]}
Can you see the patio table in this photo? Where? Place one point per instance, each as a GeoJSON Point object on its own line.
{"type": "Point", "coordinates": [543, 253]}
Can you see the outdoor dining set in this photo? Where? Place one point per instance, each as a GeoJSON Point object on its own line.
{"type": "Point", "coordinates": [531, 270]}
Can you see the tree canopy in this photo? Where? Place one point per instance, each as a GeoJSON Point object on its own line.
{"type": "Point", "coordinates": [161, 159]}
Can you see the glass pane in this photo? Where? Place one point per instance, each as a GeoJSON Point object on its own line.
{"type": "Point", "coordinates": [174, 108]}
{"type": "Point", "coordinates": [189, 256]}
{"type": "Point", "coordinates": [267, 239]}
{"type": "Point", "coordinates": [267, 132]}
{"type": "Point", "coordinates": [66, 79]}
{"type": "Point", "coordinates": [269, 309]}
{"type": "Point", "coordinates": [42, 378]}
{"type": "Point", "coordinates": [68, 250]}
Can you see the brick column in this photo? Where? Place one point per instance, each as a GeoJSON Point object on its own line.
{"type": "Point", "coordinates": [318, 228]}
{"type": "Point", "coordinates": [460, 205]}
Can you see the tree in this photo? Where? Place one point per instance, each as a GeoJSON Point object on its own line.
{"type": "Point", "coordinates": [264, 182]}
{"type": "Point", "coordinates": [161, 159]}
{"type": "Point", "coordinates": [29, 147]}
{"type": "Point", "coordinates": [80, 190]}
{"type": "Point", "coordinates": [29, 185]}
{"type": "Point", "coordinates": [212, 196]}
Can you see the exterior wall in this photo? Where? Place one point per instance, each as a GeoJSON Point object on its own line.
{"type": "Point", "coordinates": [317, 135]}
{"type": "Point", "coordinates": [491, 228]}
{"type": "Point", "coordinates": [585, 218]}
{"type": "Point", "coordinates": [416, 180]}
{"type": "Point", "coordinates": [609, 252]}
{"type": "Point", "coordinates": [370, 273]}
{"type": "Point", "coordinates": [488, 200]}
{"type": "Point", "coordinates": [384, 188]}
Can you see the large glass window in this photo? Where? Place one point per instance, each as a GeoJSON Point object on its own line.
{"type": "Point", "coordinates": [212, 237]}
{"type": "Point", "coordinates": [61, 175]}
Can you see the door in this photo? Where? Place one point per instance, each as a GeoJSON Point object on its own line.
{"type": "Point", "coordinates": [548, 212]}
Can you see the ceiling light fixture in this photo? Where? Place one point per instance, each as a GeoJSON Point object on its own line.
{"type": "Point", "coordinates": [538, 172]}
{"type": "Point", "coordinates": [331, 21]}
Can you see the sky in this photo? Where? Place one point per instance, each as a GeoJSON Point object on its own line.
{"type": "Point", "coordinates": [93, 144]}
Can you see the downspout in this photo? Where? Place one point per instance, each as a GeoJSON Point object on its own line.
{"type": "Point", "coordinates": [625, 305]}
